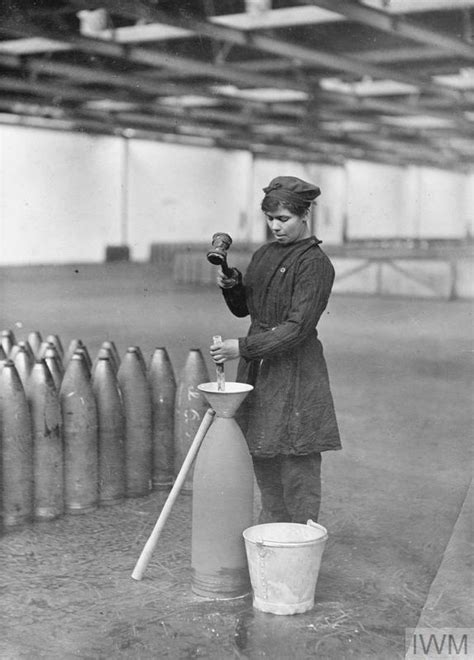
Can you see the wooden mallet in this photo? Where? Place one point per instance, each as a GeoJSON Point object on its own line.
{"type": "Point", "coordinates": [217, 255]}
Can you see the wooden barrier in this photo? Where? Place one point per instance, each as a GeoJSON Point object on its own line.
{"type": "Point", "coordinates": [411, 272]}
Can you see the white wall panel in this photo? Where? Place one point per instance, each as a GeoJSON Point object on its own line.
{"type": "Point", "coordinates": [60, 196]}
{"type": "Point", "coordinates": [441, 204]}
{"type": "Point", "coordinates": [412, 202]}
{"type": "Point", "coordinates": [331, 205]}
{"type": "Point", "coordinates": [3, 166]}
{"type": "Point", "coordinates": [469, 204]}
{"type": "Point", "coordinates": [179, 193]}
{"type": "Point", "coordinates": [379, 201]}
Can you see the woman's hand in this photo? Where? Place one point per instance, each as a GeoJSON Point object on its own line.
{"type": "Point", "coordinates": [226, 350]}
{"type": "Point", "coordinates": [227, 282]}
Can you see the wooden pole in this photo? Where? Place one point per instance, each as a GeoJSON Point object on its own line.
{"type": "Point", "coordinates": [150, 545]}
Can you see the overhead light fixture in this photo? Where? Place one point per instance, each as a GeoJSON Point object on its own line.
{"type": "Point", "coordinates": [267, 94]}
{"type": "Point", "coordinates": [462, 145]}
{"type": "Point", "coordinates": [346, 126]}
{"type": "Point", "coordinates": [109, 105]}
{"type": "Point", "coordinates": [32, 45]}
{"type": "Point", "coordinates": [143, 33]}
{"type": "Point", "coordinates": [274, 129]}
{"type": "Point", "coordinates": [36, 122]}
{"type": "Point", "coordinates": [258, 14]}
{"type": "Point", "coordinates": [37, 110]}
{"type": "Point", "coordinates": [188, 101]}
{"type": "Point", "coordinates": [277, 18]}
{"type": "Point", "coordinates": [463, 80]}
{"type": "Point", "coordinates": [418, 121]}
{"type": "Point", "coordinates": [368, 87]}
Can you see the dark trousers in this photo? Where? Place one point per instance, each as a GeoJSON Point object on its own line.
{"type": "Point", "coordinates": [290, 487]}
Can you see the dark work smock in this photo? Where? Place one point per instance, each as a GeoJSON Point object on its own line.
{"type": "Point", "coordinates": [285, 290]}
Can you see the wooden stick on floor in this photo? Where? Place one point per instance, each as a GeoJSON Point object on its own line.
{"type": "Point", "coordinates": [150, 545]}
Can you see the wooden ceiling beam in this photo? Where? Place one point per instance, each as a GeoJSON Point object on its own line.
{"type": "Point", "coordinates": [405, 54]}
{"type": "Point", "coordinates": [402, 57]}
{"type": "Point", "coordinates": [209, 117]}
{"type": "Point", "coordinates": [413, 152]}
{"type": "Point", "coordinates": [390, 55]}
{"type": "Point", "coordinates": [396, 26]}
{"type": "Point", "coordinates": [91, 75]}
{"type": "Point", "coordinates": [53, 91]}
{"type": "Point", "coordinates": [63, 91]}
{"type": "Point", "coordinates": [359, 104]}
{"type": "Point", "coordinates": [83, 74]}
{"type": "Point", "coordinates": [216, 120]}
{"type": "Point", "coordinates": [278, 47]}
{"type": "Point", "coordinates": [325, 142]}
{"type": "Point", "coordinates": [154, 58]}
{"type": "Point", "coordinates": [390, 139]}
{"type": "Point", "coordinates": [134, 83]}
{"type": "Point", "coordinates": [284, 148]}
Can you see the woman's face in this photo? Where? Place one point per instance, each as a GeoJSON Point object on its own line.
{"type": "Point", "coordinates": [286, 227]}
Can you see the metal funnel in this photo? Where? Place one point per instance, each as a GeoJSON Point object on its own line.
{"type": "Point", "coordinates": [227, 402]}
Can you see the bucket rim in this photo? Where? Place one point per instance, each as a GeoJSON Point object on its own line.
{"type": "Point", "coordinates": [289, 544]}
{"type": "Point", "coordinates": [285, 544]}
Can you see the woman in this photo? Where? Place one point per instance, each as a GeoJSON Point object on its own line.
{"type": "Point", "coordinates": [288, 419]}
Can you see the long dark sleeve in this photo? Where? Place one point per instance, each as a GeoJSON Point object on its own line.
{"type": "Point", "coordinates": [235, 298]}
{"type": "Point", "coordinates": [310, 296]}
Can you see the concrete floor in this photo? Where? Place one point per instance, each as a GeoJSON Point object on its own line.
{"type": "Point", "coordinates": [401, 373]}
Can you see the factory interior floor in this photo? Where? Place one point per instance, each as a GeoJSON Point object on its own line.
{"type": "Point", "coordinates": [401, 374]}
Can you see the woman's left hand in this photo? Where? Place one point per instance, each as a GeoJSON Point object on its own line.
{"type": "Point", "coordinates": [225, 350]}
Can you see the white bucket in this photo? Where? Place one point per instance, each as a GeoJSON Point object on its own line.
{"type": "Point", "coordinates": [284, 561]}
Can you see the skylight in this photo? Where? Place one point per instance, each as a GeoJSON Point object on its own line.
{"type": "Point", "coordinates": [188, 101]}
{"type": "Point", "coordinates": [109, 104]}
{"type": "Point", "coordinates": [420, 121]}
{"type": "Point", "coordinates": [277, 18]}
{"type": "Point", "coordinates": [143, 33]}
{"type": "Point", "coordinates": [32, 45]}
{"type": "Point", "coordinates": [463, 80]}
{"type": "Point", "coordinates": [263, 94]}
{"type": "Point", "coordinates": [367, 87]}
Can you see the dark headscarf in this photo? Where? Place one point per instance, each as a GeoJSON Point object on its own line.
{"type": "Point", "coordinates": [291, 189]}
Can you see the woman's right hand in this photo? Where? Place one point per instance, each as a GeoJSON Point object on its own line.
{"type": "Point", "coordinates": [227, 282]}
{"type": "Point", "coordinates": [221, 351]}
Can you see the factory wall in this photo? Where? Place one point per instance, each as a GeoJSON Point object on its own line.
{"type": "Point", "coordinates": [413, 202]}
{"type": "Point", "coordinates": [184, 194]}
{"type": "Point", "coordinates": [469, 203]}
{"type": "Point", "coordinates": [59, 196]}
{"type": "Point", "coordinates": [64, 197]}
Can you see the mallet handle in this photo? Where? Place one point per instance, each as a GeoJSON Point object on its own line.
{"type": "Point", "coordinates": [226, 269]}
{"type": "Point", "coordinates": [147, 551]}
